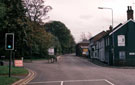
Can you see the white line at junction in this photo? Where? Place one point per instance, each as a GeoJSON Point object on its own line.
{"type": "Point", "coordinates": [84, 80]}
{"type": "Point", "coordinates": [61, 82]}
{"type": "Point", "coordinates": [109, 82]}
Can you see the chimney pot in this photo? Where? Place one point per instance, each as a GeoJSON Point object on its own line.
{"type": "Point", "coordinates": [128, 7]}
{"type": "Point", "coordinates": [110, 28]}
{"type": "Point", "coordinates": [129, 13]}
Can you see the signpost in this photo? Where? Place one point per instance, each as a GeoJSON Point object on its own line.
{"type": "Point", "coordinates": [131, 53]}
{"type": "Point", "coordinates": [51, 51]}
{"type": "Point", "coordinates": [9, 45]}
{"type": "Point", "coordinates": [18, 63]}
{"type": "Point", "coordinates": [51, 54]}
{"type": "Point", "coordinates": [121, 40]}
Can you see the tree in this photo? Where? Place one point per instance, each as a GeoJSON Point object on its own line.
{"type": "Point", "coordinates": [85, 36]}
{"type": "Point", "coordinates": [2, 15]}
{"type": "Point", "coordinates": [63, 34]}
{"type": "Point", "coordinates": [36, 10]}
{"type": "Point", "coordinates": [13, 20]}
{"type": "Point", "coordinates": [2, 10]}
{"type": "Point", "coordinates": [30, 37]}
{"type": "Point", "coordinates": [37, 40]}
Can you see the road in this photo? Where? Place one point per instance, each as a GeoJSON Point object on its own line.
{"type": "Point", "coordinates": [72, 70]}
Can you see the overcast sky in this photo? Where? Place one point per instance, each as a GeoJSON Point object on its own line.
{"type": "Point", "coordinates": [83, 16]}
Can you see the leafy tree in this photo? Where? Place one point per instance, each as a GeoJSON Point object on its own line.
{"type": "Point", "coordinates": [39, 40]}
{"type": "Point", "coordinates": [28, 39]}
{"type": "Point", "coordinates": [13, 21]}
{"type": "Point", "coordinates": [2, 15]}
{"type": "Point", "coordinates": [2, 10]}
{"type": "Point", "coordinates": [63, 34]}
{"type": "Point", "coordinates": [36, 10]}
{"type": "Point", "coordinates": [56, 44]}
{"type": "Point", "coordinates": [30, 36]}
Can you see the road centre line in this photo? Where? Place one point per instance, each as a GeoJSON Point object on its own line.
{"type": "Point", "coordinates": [45, 82]}
{"type": "Point", "coordinates": [96, 80]}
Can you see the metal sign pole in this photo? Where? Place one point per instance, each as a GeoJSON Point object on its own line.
{"type": "Point", "coordinates": [9, 45]}
{"type": "Point", "coordinates": [10, 63]}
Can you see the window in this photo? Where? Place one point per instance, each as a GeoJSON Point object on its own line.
{"type": "Point", "coordinates": [122, 55]}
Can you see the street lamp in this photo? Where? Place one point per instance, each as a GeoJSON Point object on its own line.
{"type": "Point", "coordinates": [109, 9]}
{"type": "Point", "coordinates": [112, 27]}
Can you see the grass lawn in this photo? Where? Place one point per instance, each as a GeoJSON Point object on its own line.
{"type": "Point", "coordinates": [5, 80]}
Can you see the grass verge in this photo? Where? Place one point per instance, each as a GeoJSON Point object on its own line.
{"type": "Point", "coordinates": [5, 80]}
{"type": "Point", "coordinates": [14, 70]}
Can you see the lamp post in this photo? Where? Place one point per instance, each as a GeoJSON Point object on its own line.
{"type": "Point", "coordinates": [109, 9]}
{"type": "Point", "coordinates": [112, 27]}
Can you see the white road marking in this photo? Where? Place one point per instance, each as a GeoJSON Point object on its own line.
{"type": "Point", "coordinates": [84, 80]}
{"type": "Point", "coordinates": [61, 83]}
{"type": "Point", "coordinates": [109, 82]}
{"type": "Point", "coordinates": [45, 82]}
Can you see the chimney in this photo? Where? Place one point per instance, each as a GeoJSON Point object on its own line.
{"type": "Point", "coordinates": [110, 28]}
{"type": "Point", "coordinates": [130, 13]}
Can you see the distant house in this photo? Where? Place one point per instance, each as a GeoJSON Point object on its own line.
{"type": "Point", "coordinates": [96, 46]}
{"type": "Point", "coordinates": [116, 46]}
{"type": "Point", "coordinates": [82, 48]}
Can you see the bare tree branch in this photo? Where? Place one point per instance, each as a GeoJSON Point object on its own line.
{"type": "Point", "coordinates": [36, 10]}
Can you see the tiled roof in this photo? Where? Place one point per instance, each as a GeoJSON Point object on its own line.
{"type": "Point", "coordinates": [98, 36]}
{"type": "Point", "coordinates": [84, 43]}
{"type": "Point", "coordinates": [104, 33]}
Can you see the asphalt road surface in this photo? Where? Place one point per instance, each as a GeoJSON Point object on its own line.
{"type": "Point", "coordinates": [72, 70]}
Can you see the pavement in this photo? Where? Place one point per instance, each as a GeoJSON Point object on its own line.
{"type": "Point", "coordinates": [73, 70]}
